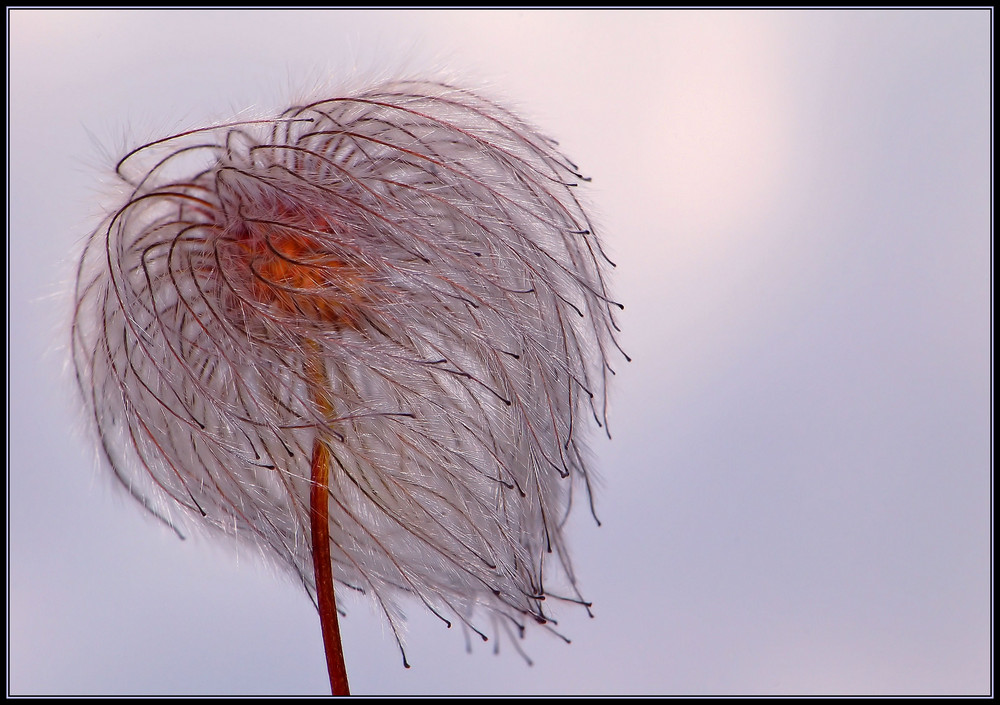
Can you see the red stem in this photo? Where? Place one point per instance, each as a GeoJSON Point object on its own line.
{"type": "Point", "coordinates": [319, 515]}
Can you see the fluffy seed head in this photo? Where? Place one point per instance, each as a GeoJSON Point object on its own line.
{"type": "Point", "coordinates": [406, 277]}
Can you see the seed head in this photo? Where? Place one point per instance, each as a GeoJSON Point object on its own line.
{"type": "Point", "coordinates": [405, 279]}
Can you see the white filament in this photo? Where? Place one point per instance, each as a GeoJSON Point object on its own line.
{"type": "Point", "coordinates": [426, 250]}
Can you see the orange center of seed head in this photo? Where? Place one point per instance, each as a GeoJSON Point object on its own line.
{"type": "Point", "coordinates": [293, 269]}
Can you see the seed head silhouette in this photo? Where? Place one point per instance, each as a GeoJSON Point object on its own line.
{"type": "Point", "coordinates": [367, 336]}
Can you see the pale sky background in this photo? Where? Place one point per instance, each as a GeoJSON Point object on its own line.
{"type": "Point", "coordinates": [797, 498]}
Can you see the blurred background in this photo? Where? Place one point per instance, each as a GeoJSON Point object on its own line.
{"type": "Point", "coordinates": [797, 498]}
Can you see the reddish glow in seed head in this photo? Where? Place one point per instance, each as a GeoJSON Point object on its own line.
{"type": "Point", "coordinates": [367, 336]}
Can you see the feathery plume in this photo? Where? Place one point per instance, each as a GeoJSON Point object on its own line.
{"type": "Point", "coordinates": [367, 336]}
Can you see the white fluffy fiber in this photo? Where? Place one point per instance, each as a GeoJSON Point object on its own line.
{"type": "Point", "coordinates": [424, 250]}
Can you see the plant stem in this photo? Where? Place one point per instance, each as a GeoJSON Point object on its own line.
{"type": "Point", "coordinates": [320, 524]}
{"type": "Point", "coordinates": [319, 520]}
